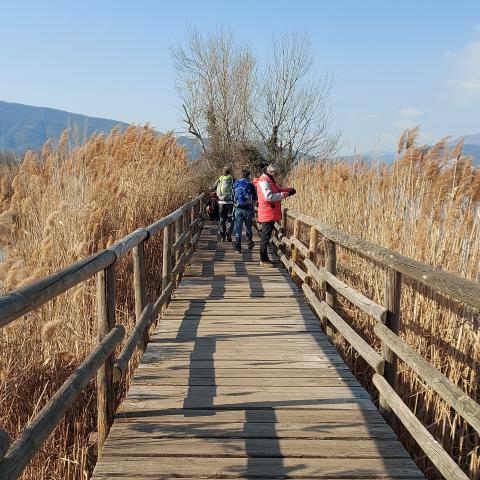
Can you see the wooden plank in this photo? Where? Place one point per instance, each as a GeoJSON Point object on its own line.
{"type": "Point", "coordinates": [239, 381]}
{"type": "Point", "coordinates": [323, 417]}
{"type": "Point", "coordinates": [204, 426]}
{"type": "Point", "coordinates": [326, 371]}
{"type": "Point", "coordinates": [267, 468]}
{"type": "Point", "coordinates": [156, 445]}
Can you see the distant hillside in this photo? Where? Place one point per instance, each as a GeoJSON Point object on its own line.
{"type": "Point", "coordinates": [471, 147]}
{"type": "Point", "coordinates": [24, 127]}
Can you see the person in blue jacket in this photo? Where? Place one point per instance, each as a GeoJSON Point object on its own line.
{"type": "Point", "coordinates": [245, 196]}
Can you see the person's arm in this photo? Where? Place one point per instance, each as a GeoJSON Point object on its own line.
{"type": "Point", "coordinates": [214, 187]}
{"type": "Point", "coordinates": [269, 195]}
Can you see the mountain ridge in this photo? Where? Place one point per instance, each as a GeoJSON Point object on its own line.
{"type": "Point", "coordinates": [27, 127]}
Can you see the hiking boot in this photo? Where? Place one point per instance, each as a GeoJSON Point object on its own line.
{"type": "Point", "coordinates": [267, 264]}
{"type": "Point", "coordinates": [251, 244]}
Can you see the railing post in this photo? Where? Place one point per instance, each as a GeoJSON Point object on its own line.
{"type": "Point", "coordinates": [331, 266]}
{"type": "Point", "coordinates": [106, 321]}
{"type": "Point", "coordinates": [295, 252]}
{"type": "Point", "coordinates": [178, 253]}
{"type": "Point", "coordinates": [138, 254]}
{"type": "Point", "coordinates": [391, 301]}
{"type": "Point", "coordinates": [313, 246]}
{"type": "Point", "coordinates": [167, 249]}
{"type": "Point", "coordinates": [284, 221]}
{"type": "Point", "coordinates": [313, 250]}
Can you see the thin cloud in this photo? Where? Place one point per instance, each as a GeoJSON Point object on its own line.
{"type": "Point", "coordinates": [409, 112]}
{"type": "Point", "coordinates": [465, 66]}
{"type": "Point", "coordinates": [405, 123]}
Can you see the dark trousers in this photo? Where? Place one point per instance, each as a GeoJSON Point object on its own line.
{"type": "Point", "coordinates": [225, 212]}
{"type": "Point", "coordinates": [267, 229]}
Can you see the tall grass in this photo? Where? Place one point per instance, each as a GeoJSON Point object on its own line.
{"type": "Point", "coordinates": [425, 206]}
{"type": "Point", "coordinates": [56, 207]}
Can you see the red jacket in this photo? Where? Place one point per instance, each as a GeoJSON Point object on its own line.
{"type": "Point", "coordinates": [269, 196]}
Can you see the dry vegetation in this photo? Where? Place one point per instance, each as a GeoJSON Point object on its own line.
{"type": "Point", "coordinates": [427, 207]}
{"type": "Point", "coordinates": [56, 207]}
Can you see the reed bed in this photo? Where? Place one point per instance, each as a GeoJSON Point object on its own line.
{"type": "Point", "coordinates": [58, 206]}
{"type": "Point", "coordinates": [425, 206]}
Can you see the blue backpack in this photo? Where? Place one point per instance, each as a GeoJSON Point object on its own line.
{"type": "Point", "coordinates": [242, 196]}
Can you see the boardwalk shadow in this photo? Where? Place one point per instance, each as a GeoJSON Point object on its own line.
{"type": "Point", "coordinates": [256, 423]}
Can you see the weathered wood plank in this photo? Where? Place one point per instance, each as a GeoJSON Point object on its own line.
{"type": "Point", "coordinates": [239, 381]}
{"type": "Point", "coordinates": [205, 427]}
{"type": "Point", "coordinates": [267, 468]}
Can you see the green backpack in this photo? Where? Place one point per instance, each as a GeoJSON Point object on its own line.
{"type": "Point", "coordinates": [225, 188]}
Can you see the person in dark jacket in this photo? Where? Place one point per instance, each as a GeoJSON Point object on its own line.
{"type": "Point", "coordinates": [223, 188]}
{"type": "Point", "coordinates": [245, 196]}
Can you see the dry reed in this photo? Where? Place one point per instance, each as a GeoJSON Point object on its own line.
{"type": "Point", "coordinates": [58, 206]}
{"type": "Point", "coordinates": [425, 206]}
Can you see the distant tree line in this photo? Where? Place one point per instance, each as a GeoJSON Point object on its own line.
{"type": "Point", "coordinates": [238, 107]}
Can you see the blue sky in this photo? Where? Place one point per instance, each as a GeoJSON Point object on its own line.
{"type": "Point", "coordinates": [396, 64]}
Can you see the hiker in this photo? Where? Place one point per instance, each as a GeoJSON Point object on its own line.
{"type": "Point", "coordinates": [223, 187]}
{"type": "Point", "coordinates": [269, 196]}
{"type": "Point", "coordinates": [212, 207]}
{"type": "Point", "coordinates": [245, 197]}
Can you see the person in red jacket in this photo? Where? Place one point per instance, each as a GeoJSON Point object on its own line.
{"type": "Point", "coordinates": [270, 196]}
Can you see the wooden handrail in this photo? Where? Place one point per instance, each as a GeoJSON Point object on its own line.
{"type": "Point", "coordinates": [461, 289]}
{"type": "Point", "coordinates": [4, 443]}
{"type": "Point", "coordinates": [126, 354]}
{"type": "Point", "coordinates": [386, 326]}
{"type": "Point", "coordinates": [159, 225]}
{"type": "Point", "coordinates": [453, 395]}
{"type": "Point", "coordinates": [352, 337]}
{"type": "Point", "coordinates": [439, 457]}
{"type": "Point", "coordinates": [24, 299]}
{"type": "Point", "coordinates": [14, 458]}
{"type": "Point", "coordinates": [32, 438]}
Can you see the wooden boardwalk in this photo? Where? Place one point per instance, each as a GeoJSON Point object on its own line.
{"type": "Point", "coordinates": [240, 382]}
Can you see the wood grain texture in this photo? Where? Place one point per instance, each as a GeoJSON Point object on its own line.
{"type": "Point", "coordinates": [32, 438]}
{"type": "Point", "coordinates": [439, 457]}
{"type": "Point", "coordinates": [105, 323]}
{"type": "Point", "coordinates": [239, 381]}
{"type": "Point", "coordinates": [453, 395]}
{"type": "Point", "coordinates": [4, 443]}
{"type": "Point", "coordinates": [459, 288]}
{"type": "Point", "coordinates": [24, 299]}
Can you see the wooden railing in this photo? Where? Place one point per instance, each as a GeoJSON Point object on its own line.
{"type": "Point", "coordinates": [300, 261]}
{"type": "Point", "coordinates": [184, 225]}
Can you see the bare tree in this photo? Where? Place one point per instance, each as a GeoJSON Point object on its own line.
{"type": "Point", "coordinates": [215, 79]}
{"type": "Point", "coordinates": [292, 116]}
